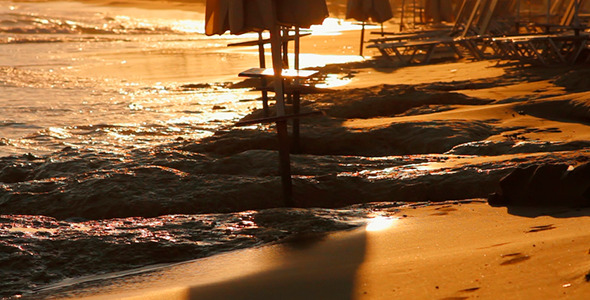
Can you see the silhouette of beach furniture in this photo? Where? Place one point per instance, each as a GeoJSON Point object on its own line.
{"type": "Point", "coordinates": [564, 46]}
{"type": "Point", "coordinates": [262, 60]}
{"type": "Point", "coordinates": [241, 16]}
{"type": "Point", "coordinates": [494, 18]}
{"type": "Point", "coordinates": [473, 19]}
{"type": "Point", "coordinates": [493, 31]}
{"type": "Point", "coordinates": [293, 80]}
{"type": "Point", "coordinates": [422, 33]}
{"type": "Point", "coordinates": [406, 52]}
{"type": "Point", "coordinates": [294, 88]}
{"type": "Point", "coordinates": [543, 48]}
{"type": "Point", "coordinates": [417, 14]}
{"type": "Point", "coordinates": [569, 12]}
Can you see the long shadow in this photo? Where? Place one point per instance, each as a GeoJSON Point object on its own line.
{"type": "Point", "coordinates": [308, 268]}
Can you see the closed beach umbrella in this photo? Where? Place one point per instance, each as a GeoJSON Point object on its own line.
{"type": "Point", "coordinates": [301, 13]}
{"type": "Point", "coordinates": [241, 16]}
{"type": "Point", "coordinates": [368, 10]}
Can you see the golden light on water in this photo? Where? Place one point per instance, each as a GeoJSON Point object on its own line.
{"type": "Point", "coordinates": [380, 223]}
{"type": "Point", "coordinates": [330, 26]}
{"type": "Point", "coordinates": [334, 26]}
{"type": "Point", "coordinates": [189, 26]}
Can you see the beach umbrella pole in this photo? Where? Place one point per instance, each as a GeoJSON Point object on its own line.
{"type": "Point", "coordinates": [285, 47]}
{"type": "Point", "coordinates": [296, 95]}
{"type": "Point", "coordinates": [283, 135]}
{"type": "Point", "coordinates": [362, 37]}
{"type": "Point", "coordinates": [262, 63]}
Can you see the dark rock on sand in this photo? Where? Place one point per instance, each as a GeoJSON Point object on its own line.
{"type": "Point", "coordinates": [545, 185]}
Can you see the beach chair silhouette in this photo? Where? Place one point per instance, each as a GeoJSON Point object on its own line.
{"type": "Point", "coordinates": [473, 21]}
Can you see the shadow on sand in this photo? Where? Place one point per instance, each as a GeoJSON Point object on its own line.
{"type": "Point", "coordinates": [555, 212]}
{"type": "Point", "coordinates": [305, 266]}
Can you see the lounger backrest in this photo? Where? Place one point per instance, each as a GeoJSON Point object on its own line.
{"type": "Point", "coordinates": [569, 14]}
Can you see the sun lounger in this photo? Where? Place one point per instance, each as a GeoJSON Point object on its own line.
{"type": "Point", "coordinates": [569, 17]}
{"type": "Point", "coordinates": [545, 48]}
{"type": "Point", "coordinates": [469, 32]}
{"type": "Point", "coordinates": [408, 52]}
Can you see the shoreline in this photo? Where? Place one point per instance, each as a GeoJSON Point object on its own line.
{"type": "Point", "coordinates": [445, 250]}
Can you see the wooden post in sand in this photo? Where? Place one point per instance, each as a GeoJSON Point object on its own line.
{"type": "Point", "coordinates": [296, 95]}
{"type": "Point", "coordinates": [283, 135]}
{"type": "Point", "coordinates": [262, 64]}
{"type": "Point", "coordinates": [362, 37]}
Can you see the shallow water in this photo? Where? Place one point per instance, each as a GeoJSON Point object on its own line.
{"type": "Point", "coordinates": [75, 74]}
{"type": "Point", "coordinates": [109, 78]}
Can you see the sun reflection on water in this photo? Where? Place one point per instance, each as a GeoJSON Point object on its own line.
{"type": "Point", "coordinates": [334, 26]}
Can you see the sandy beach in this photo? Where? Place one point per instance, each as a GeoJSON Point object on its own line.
{"type": "Point", "coordinates": [488, 117]}
{"type": "Point", "coordinates": [463, 179]}
{"type": "Point", "coordinates": [455, 250]}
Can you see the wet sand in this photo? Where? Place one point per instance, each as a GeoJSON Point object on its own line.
{"type": "Point", "coordinates": [439, 251]}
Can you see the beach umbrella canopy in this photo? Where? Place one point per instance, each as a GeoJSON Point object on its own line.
{"type": "Point", "coordinates": [301, 13]}
{"type": "Point", "coordinates": [369, 10]}
{"type": "Point", "coordinates": [241, 16]}
{"type": "Point", "coordinates": [238, 17]}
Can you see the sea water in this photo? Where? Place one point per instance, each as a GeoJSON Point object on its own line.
{"type": "Point", "coordinates": [75, 74]}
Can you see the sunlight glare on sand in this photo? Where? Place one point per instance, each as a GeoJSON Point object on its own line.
{"type": "Point", "coordinates": [309, 60]}
{"type": "Point", "coordinates": [333, 80]}
{"type": "Point", "coordinates": [380, 223]}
